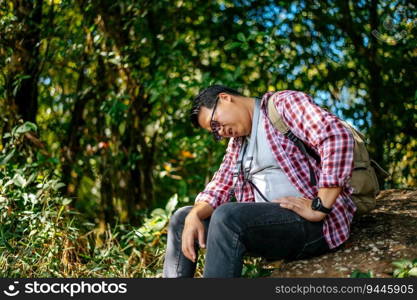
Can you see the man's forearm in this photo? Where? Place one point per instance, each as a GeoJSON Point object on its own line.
{"type": "Point", "coordinates": [202, 210]}
{"type": "Point", "coordinates": [329, 195]}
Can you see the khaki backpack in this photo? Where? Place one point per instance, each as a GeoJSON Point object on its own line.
{"type": "Point", "coordinates": [364, 180]}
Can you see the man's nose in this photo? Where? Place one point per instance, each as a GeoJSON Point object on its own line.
{"type": "Point", "coordinates": [222, 131]}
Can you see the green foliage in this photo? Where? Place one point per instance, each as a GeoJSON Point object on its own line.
{"type": "Point", "coordinates": [253, 268]}
{"type": "Point", "coordinates": [35, 222]}
{"type": "Point", "coordinates": [405, 268]}
{"type": "Point", "coordinates": [360, 274]}
{"type": "Point", "coordinates": [41, 236]}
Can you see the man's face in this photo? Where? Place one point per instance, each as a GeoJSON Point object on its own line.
{"type": "Point", "coordinates": [234, 117]}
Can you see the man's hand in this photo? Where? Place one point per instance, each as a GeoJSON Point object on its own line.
{"type": "Point", "coordinates": [193, 229]}
{"type": "Point", "coordinates": [301, 206]}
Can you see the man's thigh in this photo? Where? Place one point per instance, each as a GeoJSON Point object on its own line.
{"type": "Point", "coordinates": [267, 229]}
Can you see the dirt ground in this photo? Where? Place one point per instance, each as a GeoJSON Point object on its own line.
{"type": "Point", "coordinates": [377, 239]}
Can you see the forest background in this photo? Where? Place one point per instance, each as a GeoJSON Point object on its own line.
{"type": "Point", "coordinates": [97, 149]}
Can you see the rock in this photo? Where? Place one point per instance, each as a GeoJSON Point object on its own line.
{"type": "Point", "coordinates": [377, 239]}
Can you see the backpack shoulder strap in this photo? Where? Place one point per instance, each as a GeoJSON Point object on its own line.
{"type": "Point", "coordinates": [279, 124]}
{"type": "Point", "coordinates": [357, 135]}
{"type": "Point", "coordinates": [276, 118]}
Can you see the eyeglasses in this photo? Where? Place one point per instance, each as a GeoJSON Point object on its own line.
{"type": "Point", "coordinates": [215, 125]}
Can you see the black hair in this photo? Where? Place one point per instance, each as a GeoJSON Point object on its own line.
{"type": "Point", "coordinates": [207, 98]}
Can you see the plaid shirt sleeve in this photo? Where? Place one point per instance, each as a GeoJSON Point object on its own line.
{"type": "Point", "coordinates": [217, 190]}
{"type": "Point", "coordinates": [323, 132]}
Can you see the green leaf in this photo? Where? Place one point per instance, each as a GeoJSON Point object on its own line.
{"type": "Point", "coordinates": [31, 178]}
{"type": "Point", "coordinates": [58, 185]}
{"type": "Point", "coordinates": [404, 263]}
{"type": "Point", "coordinates": [241, 37]}
{"type": "Point", "coordinates": [158, 212]}
{"type": "Point", "coordinates": [396, 273]}
{"type": "Point", "coordinates": [231, 46]}
{"type": "Point", "coordinates": [18, 180]}
{"type": "Point", "coordinates": [66, 201]}
{"type": "Point", "coordinates": [359, 274]}
{"type": "Point", "coordinates": [172, 203]}
{"type": "Point", "coordinates": [413, 272]}
{"type": "Point", "coordinates": [26, 127]}
{"type": "Point", "coordinates": [8, 157]}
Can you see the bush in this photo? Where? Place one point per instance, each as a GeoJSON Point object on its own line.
{"type": "Point", "coordinates": [35, 223]}
{"type": "Point", "coordinates": [41, 235]}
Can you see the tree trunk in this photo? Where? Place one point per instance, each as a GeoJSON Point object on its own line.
{"type": "Point", "coordinates": [377, 136]}
{"type": "Point", "coordinates": [22, 82]}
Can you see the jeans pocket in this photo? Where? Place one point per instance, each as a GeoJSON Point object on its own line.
{"type": "Point", "coordinates": [314, 248]}
{"type": "Point", "coordinates": [316, 243]}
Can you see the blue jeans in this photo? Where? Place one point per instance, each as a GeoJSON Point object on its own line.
{"type": "Point", "coordinates": [237, 229]}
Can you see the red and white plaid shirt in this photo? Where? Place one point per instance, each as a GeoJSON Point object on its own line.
{"type": "Point", "coordinates": [321, 131]}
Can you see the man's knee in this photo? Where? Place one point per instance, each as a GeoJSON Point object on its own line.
{"type": "Point", "coordinates": [179, 215]}
{"type": "Point", "coordinates": [223, 214]}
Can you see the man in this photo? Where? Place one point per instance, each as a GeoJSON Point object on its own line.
{"type": "Point", "coordinates": [273, 216]}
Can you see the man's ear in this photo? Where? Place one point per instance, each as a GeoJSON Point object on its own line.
{"type": "Point", "coordinates": [226, 97]}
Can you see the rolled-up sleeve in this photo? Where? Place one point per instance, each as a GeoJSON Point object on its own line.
{"type": "Point", "coordinates": [216, 192]}
{"type": "Point", "coordinates": [324, 132]}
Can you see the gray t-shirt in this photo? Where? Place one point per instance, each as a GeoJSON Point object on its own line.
{"type": "Point", "coordinates": [265, 171]}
